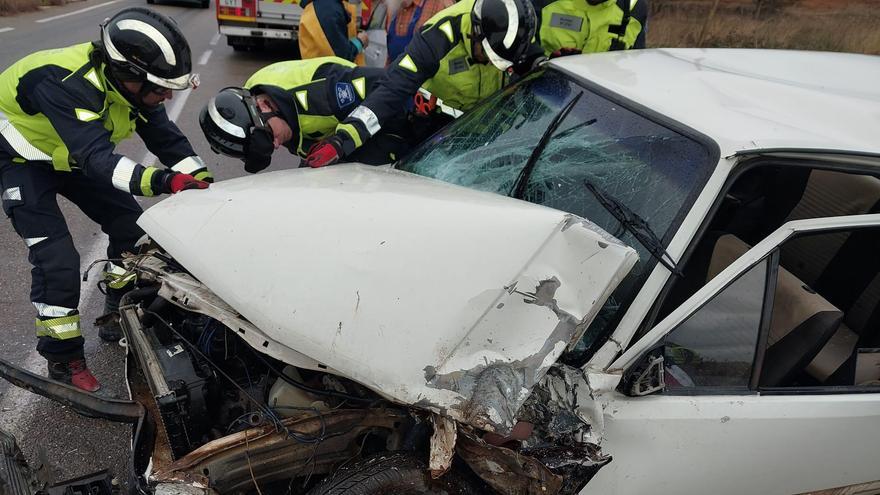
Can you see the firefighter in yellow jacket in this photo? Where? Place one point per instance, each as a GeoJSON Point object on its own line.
{"type": "Point", "coordinates": [62, 113]}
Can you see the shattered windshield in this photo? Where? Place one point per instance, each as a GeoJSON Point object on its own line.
{"type": "Point", "coordinates": [653, 170]}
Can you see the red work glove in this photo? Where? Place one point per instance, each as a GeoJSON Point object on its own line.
{"type": "Point", "coordinates": [326, 152]}
{"type": "Point", "coordinates": [175, 182]}
{"type": "Point", "coordinates": [563, 52]}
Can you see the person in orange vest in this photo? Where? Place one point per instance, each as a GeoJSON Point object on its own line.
{"type": "Point", "coordinates": [330, 28]}
{"type": "Point", "coordinates": [407, 20]}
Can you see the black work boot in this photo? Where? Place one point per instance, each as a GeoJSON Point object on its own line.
{"type": "Point", "coordinates": [109, 329]}
{"type": "Point", "coordinates": [74, 372]}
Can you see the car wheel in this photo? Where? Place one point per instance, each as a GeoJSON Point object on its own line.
{"type": "Point", "coordinates": [205, 4]}
{"type": "Point", "coordinates": [151, 2]}
{"type": "Point", "coordinates": [400, 473]}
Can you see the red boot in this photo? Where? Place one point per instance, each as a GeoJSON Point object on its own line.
{"type": "Point", "coordinates": [74, 373]}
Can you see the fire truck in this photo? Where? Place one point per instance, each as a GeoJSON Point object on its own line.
{"type": "Point", "coordinates": [247, 24]}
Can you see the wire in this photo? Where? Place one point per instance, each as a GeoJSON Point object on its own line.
{"type": "Point", "coordinates": [306, 388]}
{"type": "Point", "coordinates": [279, 426]}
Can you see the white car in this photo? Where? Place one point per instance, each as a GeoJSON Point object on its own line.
{"type": "Point", "coordinates": [638, 272]}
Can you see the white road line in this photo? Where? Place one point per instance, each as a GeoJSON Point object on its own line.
{"type": "Point", "coordinates": [173, 109]}
{"type": "Point", "coordinates": [203, 60]}
{"type": "Point", "coordinates": [3, 30]}
{"type": "Point", "coordinates": [80, 11]}
{"type": "Point", "coordinates": [215, 39]}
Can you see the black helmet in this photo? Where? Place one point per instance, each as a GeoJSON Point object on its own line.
{"type": "Point", "coordinates": [143, 45]}
{"type": "Point", "coordinates": [505, 28]}
{"type": "Point", "coordinates": [235, 127]}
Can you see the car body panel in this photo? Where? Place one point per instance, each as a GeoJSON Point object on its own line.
{"type": "Point", "coordinates": [430, 294]}
{"type": "Point", "coordinates": [749, 99]}
{"type": "Point", "coordinates": [660, 441]}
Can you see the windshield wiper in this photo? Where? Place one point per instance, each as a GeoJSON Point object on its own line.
{"type": "Point", "coordinates": [522, 179]}
{"type": "Point", "coordinates": [637, 226]}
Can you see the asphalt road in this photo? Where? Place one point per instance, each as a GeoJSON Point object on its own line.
{"type": "Point", "coordinates": [70, 445]}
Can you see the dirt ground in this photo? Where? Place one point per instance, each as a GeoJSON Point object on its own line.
{"type": "Point", "coordinates": [825, 25]}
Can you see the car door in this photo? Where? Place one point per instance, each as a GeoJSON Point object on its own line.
{"type": "Point", "coordinates": [723, 397]}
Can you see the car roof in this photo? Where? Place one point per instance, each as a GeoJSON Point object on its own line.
{"type": "Point", "coordinates": [748, 100]}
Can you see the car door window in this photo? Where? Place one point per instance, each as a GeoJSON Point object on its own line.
{"type": "Point", "coordinates": [715, 346]}
{"type": "Point", "coordinates": [809, 336]}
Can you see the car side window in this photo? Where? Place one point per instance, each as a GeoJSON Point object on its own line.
{"type": "Point", "coordinates": [821, 328]}
{"type": "Point", "coordinates": [715, 346]}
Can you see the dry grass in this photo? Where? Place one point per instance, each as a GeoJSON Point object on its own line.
{"type": "Point", "coordinates": [794, 24]}
{"type": "Point", "coordinates": [11, 7]}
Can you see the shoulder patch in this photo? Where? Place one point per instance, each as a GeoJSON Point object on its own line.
{"type": "Point", "coordinates": [344, 94]}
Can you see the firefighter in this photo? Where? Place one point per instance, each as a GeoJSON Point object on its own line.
{"type": "Point", "coordinates": [567, 27]}
{"type": "Point", "coordinates": [62, 112]}
{"type": "Point", "coordinates": [295, 104]}
{"type": "Point", "coordinates": [460, 56]}
{"type": "Point", "coordinates": [330, 28]}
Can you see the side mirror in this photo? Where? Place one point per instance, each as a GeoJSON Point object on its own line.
{"type": "Point", "coordinates": [647, 377]}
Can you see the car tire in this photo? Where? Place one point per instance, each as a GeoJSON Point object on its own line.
{"type": "Point", "coordinates": [151, 2]}
{"type": "Point", "coordinates": [205, 4]}
{"type": "Point", "coordinates": [401, 473]}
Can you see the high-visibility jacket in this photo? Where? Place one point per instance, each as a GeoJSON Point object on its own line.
{"type": "Point", "coordinates": [578, 25]}
{"type": "Point", "coordinates": [58, 106]}
{"type": "Point", "coordinates": [329, 28]}
{"type": "Point", "coordinates": [438, 58]}
{"type": "Point", "coordinates": [314, 95]}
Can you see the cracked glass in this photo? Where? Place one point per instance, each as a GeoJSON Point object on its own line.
{"type": "Point", "coordinates": [648, 167]}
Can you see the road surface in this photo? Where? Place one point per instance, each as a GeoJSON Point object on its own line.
{"type": "Point", "coordinates": [68, 444]}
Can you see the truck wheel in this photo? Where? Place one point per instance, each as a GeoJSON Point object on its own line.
{"type": "Point", "coordinates": [401, 473]}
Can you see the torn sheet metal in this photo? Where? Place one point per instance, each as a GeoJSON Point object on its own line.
{"type": "Point", "coordinates": [428, 293]}
{"type": "Point", "coordinates": [505, 470]}
{"type": "Point", "coordinates": [442, 445]}
{"type": "Point", "coordinates": [222, 463]}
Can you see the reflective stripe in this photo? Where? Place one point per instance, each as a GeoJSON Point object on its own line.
{"type": "Point", "coordinates": [86, 115]}
{"type": "Point", "coordinates": [21, 145]}
{"type": "Point", "coordinates": [189, 165]}
{"type": "Point", "coordinates": [512, 23]}
{"type": "Point", "coordinates": [303, 97]}
{"type": "Point", "coordinates": [360, 85]}
{"type": "Point", "coordinates": [12, 194]}
{"type": "Point", "coordinates": [446, 27]}
{"type": "Point", "coordinates": [49, 311]}
{"type": "Point", "coordinates": [152, 33]}
{"type": "Point", "coordinates": [123, 172]}
{"type": "Point", "coordinates": [116, 276]}
{"type": "Point", "coordinates": [407, 63]}
{"type": "Point", "coordinates": [31, 241]}
{"type": "Point", "coordinates": [147, 181]}
{"type": "Point", "coordinates": [352, 132]}
{"type": "Point", "coordinates": [497, 60]}
{"type": "Point", "coordinates": [227, 126]}
{"type": "Point", "coordinates": [92, 77]}
{"type": "Point", "coordinates": [65, 327]}
{"type": "Point", "coordinates": [366, 116]}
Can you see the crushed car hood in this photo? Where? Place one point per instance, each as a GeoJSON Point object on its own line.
{"type": "Point", "coordinates": [430, 294]}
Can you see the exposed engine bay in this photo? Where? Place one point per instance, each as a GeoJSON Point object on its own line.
{"type": "Point", "coordinates": [231, 419]}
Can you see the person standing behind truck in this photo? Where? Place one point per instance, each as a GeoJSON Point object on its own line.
{"type": "Point", "coordinates": [330, 28]}
{"type": "Point", "coordinates": [407, 20]}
